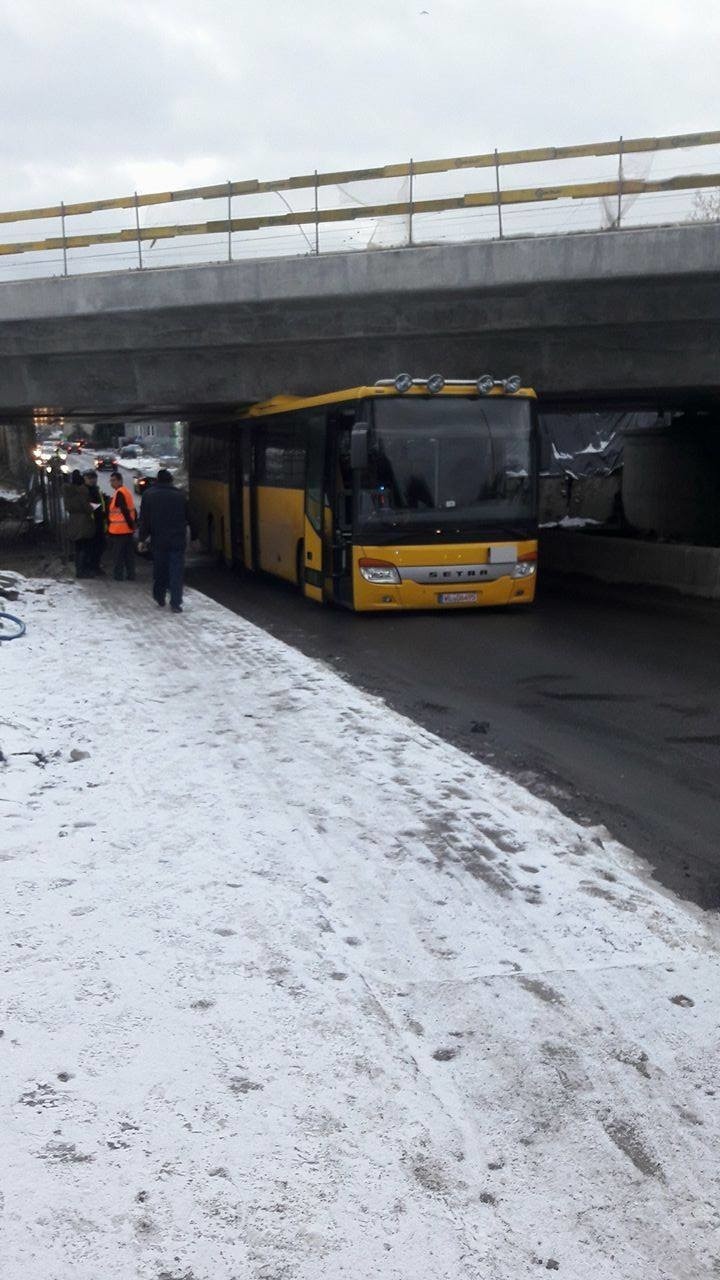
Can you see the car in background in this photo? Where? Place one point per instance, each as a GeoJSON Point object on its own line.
{"type": "Point", "coordinates": [131, 451]}
{"type": "Point", "coordinates": [45, 453]}
{"type": "Point", "coordinates": [141, 483]}
{"type": "Point", "coordinates": [75, 447]}
{"type": "Point", "coordinates": [106, 462]}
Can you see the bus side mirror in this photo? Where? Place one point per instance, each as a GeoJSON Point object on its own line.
{"type": "Point", "coordinates": [359, 446]}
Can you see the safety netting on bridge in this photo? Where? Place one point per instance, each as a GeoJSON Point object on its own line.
{"type": "Point", "coordinates": [606, 186]}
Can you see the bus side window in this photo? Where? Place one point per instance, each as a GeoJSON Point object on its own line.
{"type": "Point", "coordinates": [209, 457]}
{"type": "Point", "coordinates": [280, 453]}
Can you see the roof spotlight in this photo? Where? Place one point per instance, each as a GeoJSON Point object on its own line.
{"type": "Point", "coordinates": [403, 383]}
{"type": "Point", "coordinates": [513, 383]}
{"type": "Point", "coordinates": [485, 384]}
{"type": "Point", "coordinates": [435, 383]}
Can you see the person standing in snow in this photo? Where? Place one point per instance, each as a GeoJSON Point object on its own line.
{"type": "Point", "coordinates": [80, 527]}
{"type": "Point", "coordinates": [121, 527]}
{"type": "Point", "coordinates": [98, 504]}
{"type": "Point", "coordinates": [164, 519]}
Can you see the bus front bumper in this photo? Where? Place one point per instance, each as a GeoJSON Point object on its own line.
{"type": "Point", "coordinates": [454, 576]}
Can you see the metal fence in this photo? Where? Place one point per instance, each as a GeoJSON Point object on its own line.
{"type": "Point", "coordinates": [46, 496]}
{"type": "Point", "coordinates": [37, 514]}
{"type": "Point", "coordinates": [611, 185]}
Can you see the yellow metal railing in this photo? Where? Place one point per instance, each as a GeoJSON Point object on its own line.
{"type": "Point", "coordinates": [500, 198]}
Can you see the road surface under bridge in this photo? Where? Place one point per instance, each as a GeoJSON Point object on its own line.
{"type": "Point", "coordinates": [586, 698]}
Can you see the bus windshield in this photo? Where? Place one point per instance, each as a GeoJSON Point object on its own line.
{"type": "Point", "coordinates": [452, 465]}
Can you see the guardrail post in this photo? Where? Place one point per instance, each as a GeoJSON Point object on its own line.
{"type": "Point", "coordinates": [137, 228]}
{"type": "Point", "coordinates": [317, 220]}
{"type": "Point", "coordinates": [410, 202]}
{"type": "Point", "coordinates": [498, 193]}
{"type": "Point", "coordinates": [620, 185]}
{"type": "Point", "coordinates": [54, 507]}
{"type": "Point", "coordinates": [62, 520]}
{"type": "Point", "coordinates": [62, 222]}
{"type": "Point", "coordinates": [229, 220]}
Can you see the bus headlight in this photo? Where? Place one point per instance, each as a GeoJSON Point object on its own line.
{"type": "Point", "coordinates": [380, 571]}
{"type": "Point", "coordinates": [403, 383]}
{"type": "Point", "coordinates": [513, 384]}
{"type": "Point", "coordinates": [524, 569]}
{"type": "Point", "coordinates": [435, 383]}
{"type": "Point", "coordinates": [485, 384]}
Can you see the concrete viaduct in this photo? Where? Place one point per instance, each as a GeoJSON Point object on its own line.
{"type": "Point", "coordinates": [631, 315]}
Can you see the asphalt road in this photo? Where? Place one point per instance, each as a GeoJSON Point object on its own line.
{"type": "Point", "coordinates": [606, 701]}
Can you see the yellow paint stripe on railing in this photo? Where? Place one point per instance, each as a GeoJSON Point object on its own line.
{"type": "Point", "coordinates": [539, 155]}
{"type": "Point", "coordinates": [305, 181]}
{"type": "Point", "coordinates": [473, 200]}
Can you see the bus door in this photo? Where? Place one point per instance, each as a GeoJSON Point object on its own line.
{"type": "Point", "coordinates": [237, 482]}
{"type": "Point", "coordinates": [312, 549]}
{"type": "Point", "coordinates": [338, 557]}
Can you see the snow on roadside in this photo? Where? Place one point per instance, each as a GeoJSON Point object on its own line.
{"type": "Point", "coordinates": [571, 522]}
{"type": "Point", "coordinates": [144, 466]}
{"type": "Point", "coordinates": [293, 990]}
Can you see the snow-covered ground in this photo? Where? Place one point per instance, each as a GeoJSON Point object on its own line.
{"type": "Point", "coordinates": [294, 990]}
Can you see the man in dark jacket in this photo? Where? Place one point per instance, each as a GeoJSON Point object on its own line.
{"type": "Point", "coordinates": [80, 526]}
{"type": "Point", "coordinates": [98, 504]}
{"type": "Point", "coordinates": [164, 517]}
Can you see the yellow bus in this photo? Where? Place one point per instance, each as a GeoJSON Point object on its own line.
{"type": "Point", "coordinates": [413, 493]}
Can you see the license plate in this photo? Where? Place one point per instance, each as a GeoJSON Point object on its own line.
{"type": "Point", "coordinates": [457, 597]}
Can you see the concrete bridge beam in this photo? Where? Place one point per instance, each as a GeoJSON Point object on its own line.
{"type": "Point", "coordinates": [606, 313]}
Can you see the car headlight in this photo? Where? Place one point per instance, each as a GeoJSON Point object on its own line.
{"type": "Point", "coordinates": [380, 571]}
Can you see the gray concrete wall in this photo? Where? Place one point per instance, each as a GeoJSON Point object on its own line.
{"type": "Point", "coordinates": [671, 481]}
{"type": "Point", "coordinates": [604, 313]}
{"type": "Point", "coordinates": [586, 498]}
{"type": "Point", "coordinates": [693, 571]}
{"type": "Point", "coordinates": [15, 463]}
{"type": "Point", "coordinates": [662, 253]}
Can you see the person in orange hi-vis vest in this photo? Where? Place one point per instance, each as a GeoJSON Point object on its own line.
{"type": "Point", "coordinates": [121, 525]}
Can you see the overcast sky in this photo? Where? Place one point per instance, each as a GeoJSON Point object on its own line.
{"type": "Point", "coordinates": [100, 97]}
